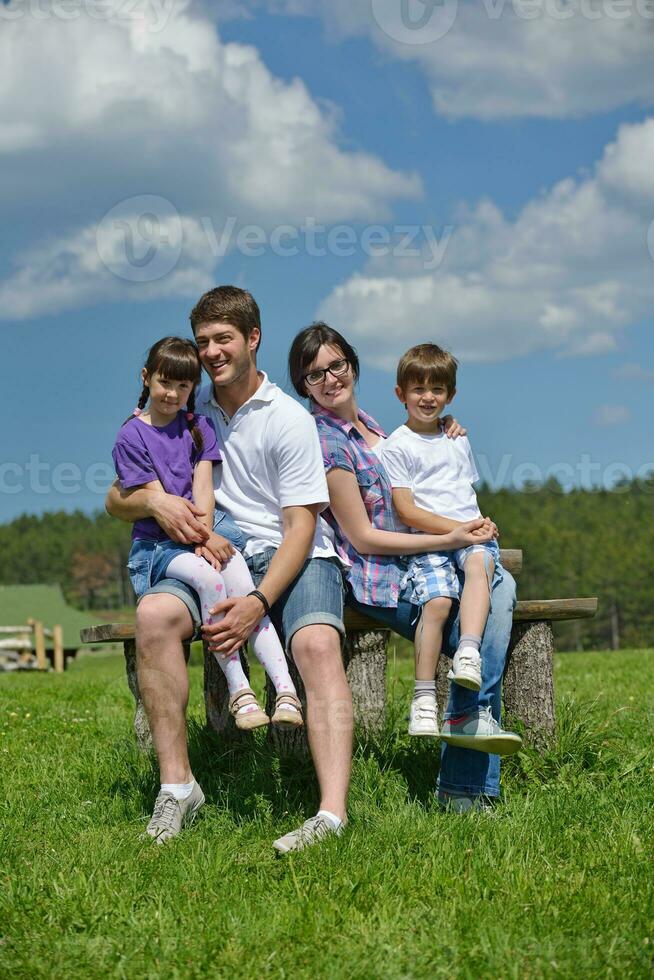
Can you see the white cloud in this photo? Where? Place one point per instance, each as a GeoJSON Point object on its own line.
{"type": "Point", "coordinates": [634, 372]}
{"type": "Point", "coordinates": [507, 58]}
{"type": "Point", "coordinates": [610, 415]}
{"type": "Point", "coordinates": [149, 100]}
{"type": "Point", "coordinates": [567, 276]}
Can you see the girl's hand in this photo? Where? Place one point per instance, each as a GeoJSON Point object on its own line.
{"type": "Point", "coordinates": [217, 550]}
{"type": "Point", "coordinates": [452, 428]}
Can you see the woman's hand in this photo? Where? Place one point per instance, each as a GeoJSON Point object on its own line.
{"type": "Point", "coordinates": [473, 532]}
{"type": "Point", "coordinates": [452, 428]}
{"type": "Point", "coordinates": [216, 550]}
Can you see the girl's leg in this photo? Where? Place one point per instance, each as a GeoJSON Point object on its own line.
{"type": "Point", "coordinates": [210, 587]}
{"type": "Point", "coordinates": [265, 642]}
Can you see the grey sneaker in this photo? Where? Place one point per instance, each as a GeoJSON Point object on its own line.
{"type": "Point", "coordinates": [170, 815]}
{"type": "Point", "coordinates": [481, 732]}
{"type": "Point", "coordinates": [462, 803]}
{"type": "Point", "coordinates": [311, 831]}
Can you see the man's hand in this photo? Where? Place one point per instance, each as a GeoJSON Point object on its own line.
{"type": "Point", "coordinates": [216, 550]}
{"type": "Point", "coordinates": [241, 615]}
{"type": "Point", "coordinates": [178, 517]}
{"type": "Point", "coordinates": [472, 532]}
{"type": "Point", "coordinates": [452, 428]}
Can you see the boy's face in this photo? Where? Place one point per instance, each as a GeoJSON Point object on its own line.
{"type": "Point", "coordinates": [425, 402]}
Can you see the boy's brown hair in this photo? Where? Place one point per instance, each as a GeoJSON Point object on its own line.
{"type": "Point", "coordinates": [228, 304]}
{"type": "Point", "coordinates": [427, 363]}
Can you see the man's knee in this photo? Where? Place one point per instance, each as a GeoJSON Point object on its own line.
{"type": "Point", "coordinates": [317, 649]}
{"type": "Point", "coordinates": [162, 614]}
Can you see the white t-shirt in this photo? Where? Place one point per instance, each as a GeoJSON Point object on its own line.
{"type": "Point", "coordinates": [271, 459]}
{"type": "Point", "coordinates": [438, 471]}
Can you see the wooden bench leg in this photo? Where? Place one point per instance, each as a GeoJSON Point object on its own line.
{"type": "Point", "coordinates": [288, 741]}
{"type": "Point", "coordinates": [529, 680]}
{"type": "Point", "coordinates": [365, 666]}
{"type": "Point", "coordinates": [141, 725]}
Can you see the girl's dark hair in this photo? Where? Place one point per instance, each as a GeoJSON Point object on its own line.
{"type": "Point", "coordinates": [175, 359]}
{"type": "Point", "coordinates": [304, 350]}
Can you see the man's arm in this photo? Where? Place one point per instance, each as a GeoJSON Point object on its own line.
{"type": "Point", "coordinates": [244, 612]}
{"type": "Point", "coordinates": [177, 517]}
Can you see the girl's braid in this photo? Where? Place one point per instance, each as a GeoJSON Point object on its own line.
{"type": "Point", "coordinates": [191, 418]}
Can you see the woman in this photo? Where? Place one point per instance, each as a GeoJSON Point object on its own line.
{"type": "Point", "coordinates": [324, 367]}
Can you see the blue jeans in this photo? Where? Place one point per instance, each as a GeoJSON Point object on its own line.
{"type": "Point", "coordinates": [464, 770]}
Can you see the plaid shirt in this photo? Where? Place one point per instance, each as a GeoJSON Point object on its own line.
{"type": "Point", "coordinates": [374, 579]}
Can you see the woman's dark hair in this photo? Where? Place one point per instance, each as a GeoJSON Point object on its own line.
{"type": "Point", "coordinates": [174, 359]}
{"type": "Point", "coordinates": [304, 350]}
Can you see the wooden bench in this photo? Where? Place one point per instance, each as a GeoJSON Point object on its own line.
{"type": "Point", "coordinates": [528, 685]}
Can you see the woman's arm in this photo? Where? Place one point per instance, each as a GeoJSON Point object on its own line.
{"type": "Point", "coordinates": [348, 509]}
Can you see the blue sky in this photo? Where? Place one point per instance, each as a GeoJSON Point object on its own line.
{"type": "Point", "coordinates": [516, 154]}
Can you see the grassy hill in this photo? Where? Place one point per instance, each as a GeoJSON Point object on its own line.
{"type": "Point", "coordinates": [556, 882]}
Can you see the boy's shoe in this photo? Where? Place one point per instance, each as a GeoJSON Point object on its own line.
{"type": "Point", "coordinates": [466, 668]}
{"type": "Point", "coordinates": [311, 831]}
{"type": "Point", "coordinates": [247, 720]}
{"type": "Point", "coordinates": [481, 732]}
{"type": "Point", "coordinates": [170, 815]}
{"type": "Point", "coordinates": [423, 716]}
{"type": "Point", "coordinates": [288, 711]}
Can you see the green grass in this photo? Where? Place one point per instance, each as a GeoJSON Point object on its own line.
{"type": "Point", "coordinates": [557, 882]}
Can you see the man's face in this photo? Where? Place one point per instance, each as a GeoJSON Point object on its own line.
{"type": "Point", "coordinates": [225, 353]}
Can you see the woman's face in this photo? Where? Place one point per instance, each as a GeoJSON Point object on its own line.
{"type": "Point", "coordinates": [333, 391]}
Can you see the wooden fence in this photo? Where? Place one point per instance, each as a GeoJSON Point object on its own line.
{"type": "Point", "coordinates": [28, 637]}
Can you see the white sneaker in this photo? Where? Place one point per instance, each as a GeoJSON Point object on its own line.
{"type": "Point", "coordinates": [466, 668]}
{"type": "Point", "coordinates": [423, 716]}
{"type": "Point", "coordinates": [312, 830]}
{"type": "Point", "coordinates": [481, 732]}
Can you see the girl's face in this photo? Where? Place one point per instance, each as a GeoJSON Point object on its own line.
{"type": "Point", "coordinates": [334, 387]}
{"type": "Point", "coordinates": [166, 397]}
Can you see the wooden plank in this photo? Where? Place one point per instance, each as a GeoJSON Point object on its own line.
{"type": "Point", "coordinates": [548, 610]}
{"type": "Point", "coordinates": [39, 645]}
{"type": "Point", "coordinates": [58, 642]}
{"type": "Point", "coordinates": [108, 633]}
{"type": "Point", "coordinates": [511, 560]}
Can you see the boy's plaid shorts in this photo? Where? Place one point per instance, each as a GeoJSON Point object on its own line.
{"type": "Point", "coordinates": [435, 575]}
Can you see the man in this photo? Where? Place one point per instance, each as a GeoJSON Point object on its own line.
{"type": "Point", "coordinates": [272, 483]}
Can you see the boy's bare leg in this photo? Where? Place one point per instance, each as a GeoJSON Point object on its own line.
{"type": "Point", "coordinates": [475, 599]}
{"type": "Point", "coordinates": [162, 624]}
{"type": "Point", "coordinates": [317, 655]}
{"type": "Point", "coordinates": [429, 637]}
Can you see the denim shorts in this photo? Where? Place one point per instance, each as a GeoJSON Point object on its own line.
{"type": "Point", "coordinates": [148, 561]}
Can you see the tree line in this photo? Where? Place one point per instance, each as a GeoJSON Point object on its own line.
{"type": "Point", "coordinates": [577, 543]}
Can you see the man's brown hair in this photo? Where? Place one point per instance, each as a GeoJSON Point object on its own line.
{"type": "Point", "coordinates": [427, 363]}
{"type": "Point", "coordinates": [228, 304]}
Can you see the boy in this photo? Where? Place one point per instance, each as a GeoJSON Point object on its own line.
{"type": "Point", "coordinates": [432, 479]}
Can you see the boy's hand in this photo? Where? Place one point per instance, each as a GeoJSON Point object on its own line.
{"type": "Point", "coordinates": [452, 428]}
{"type": "Point", "coordinates": [488, 523]}
{"type": "Point", "coordinates": [216, 550]}
{"type": "Point", "coordinates": [472, 532]}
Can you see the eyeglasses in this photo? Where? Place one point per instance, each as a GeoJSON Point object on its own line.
{"type": "Point", "coordinates": [337, 369]}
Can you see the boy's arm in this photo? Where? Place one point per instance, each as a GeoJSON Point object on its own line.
{"type": "Point", "coordinates": [414, 516]}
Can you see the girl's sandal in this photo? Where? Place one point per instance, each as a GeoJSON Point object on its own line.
{"type": "Point", "coordinates": [288, 711]}
{"type": "Point", "coordinates": [247, 720]}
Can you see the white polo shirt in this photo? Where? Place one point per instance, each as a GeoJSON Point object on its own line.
{"type": "Point", "coordinates": [271, 459]}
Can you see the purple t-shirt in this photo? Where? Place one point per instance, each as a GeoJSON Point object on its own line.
{"type": "Point", "coordinates": [143, 453]}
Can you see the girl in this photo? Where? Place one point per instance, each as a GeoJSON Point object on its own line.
{"type": "Point", "coordinates": [171, 449]}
